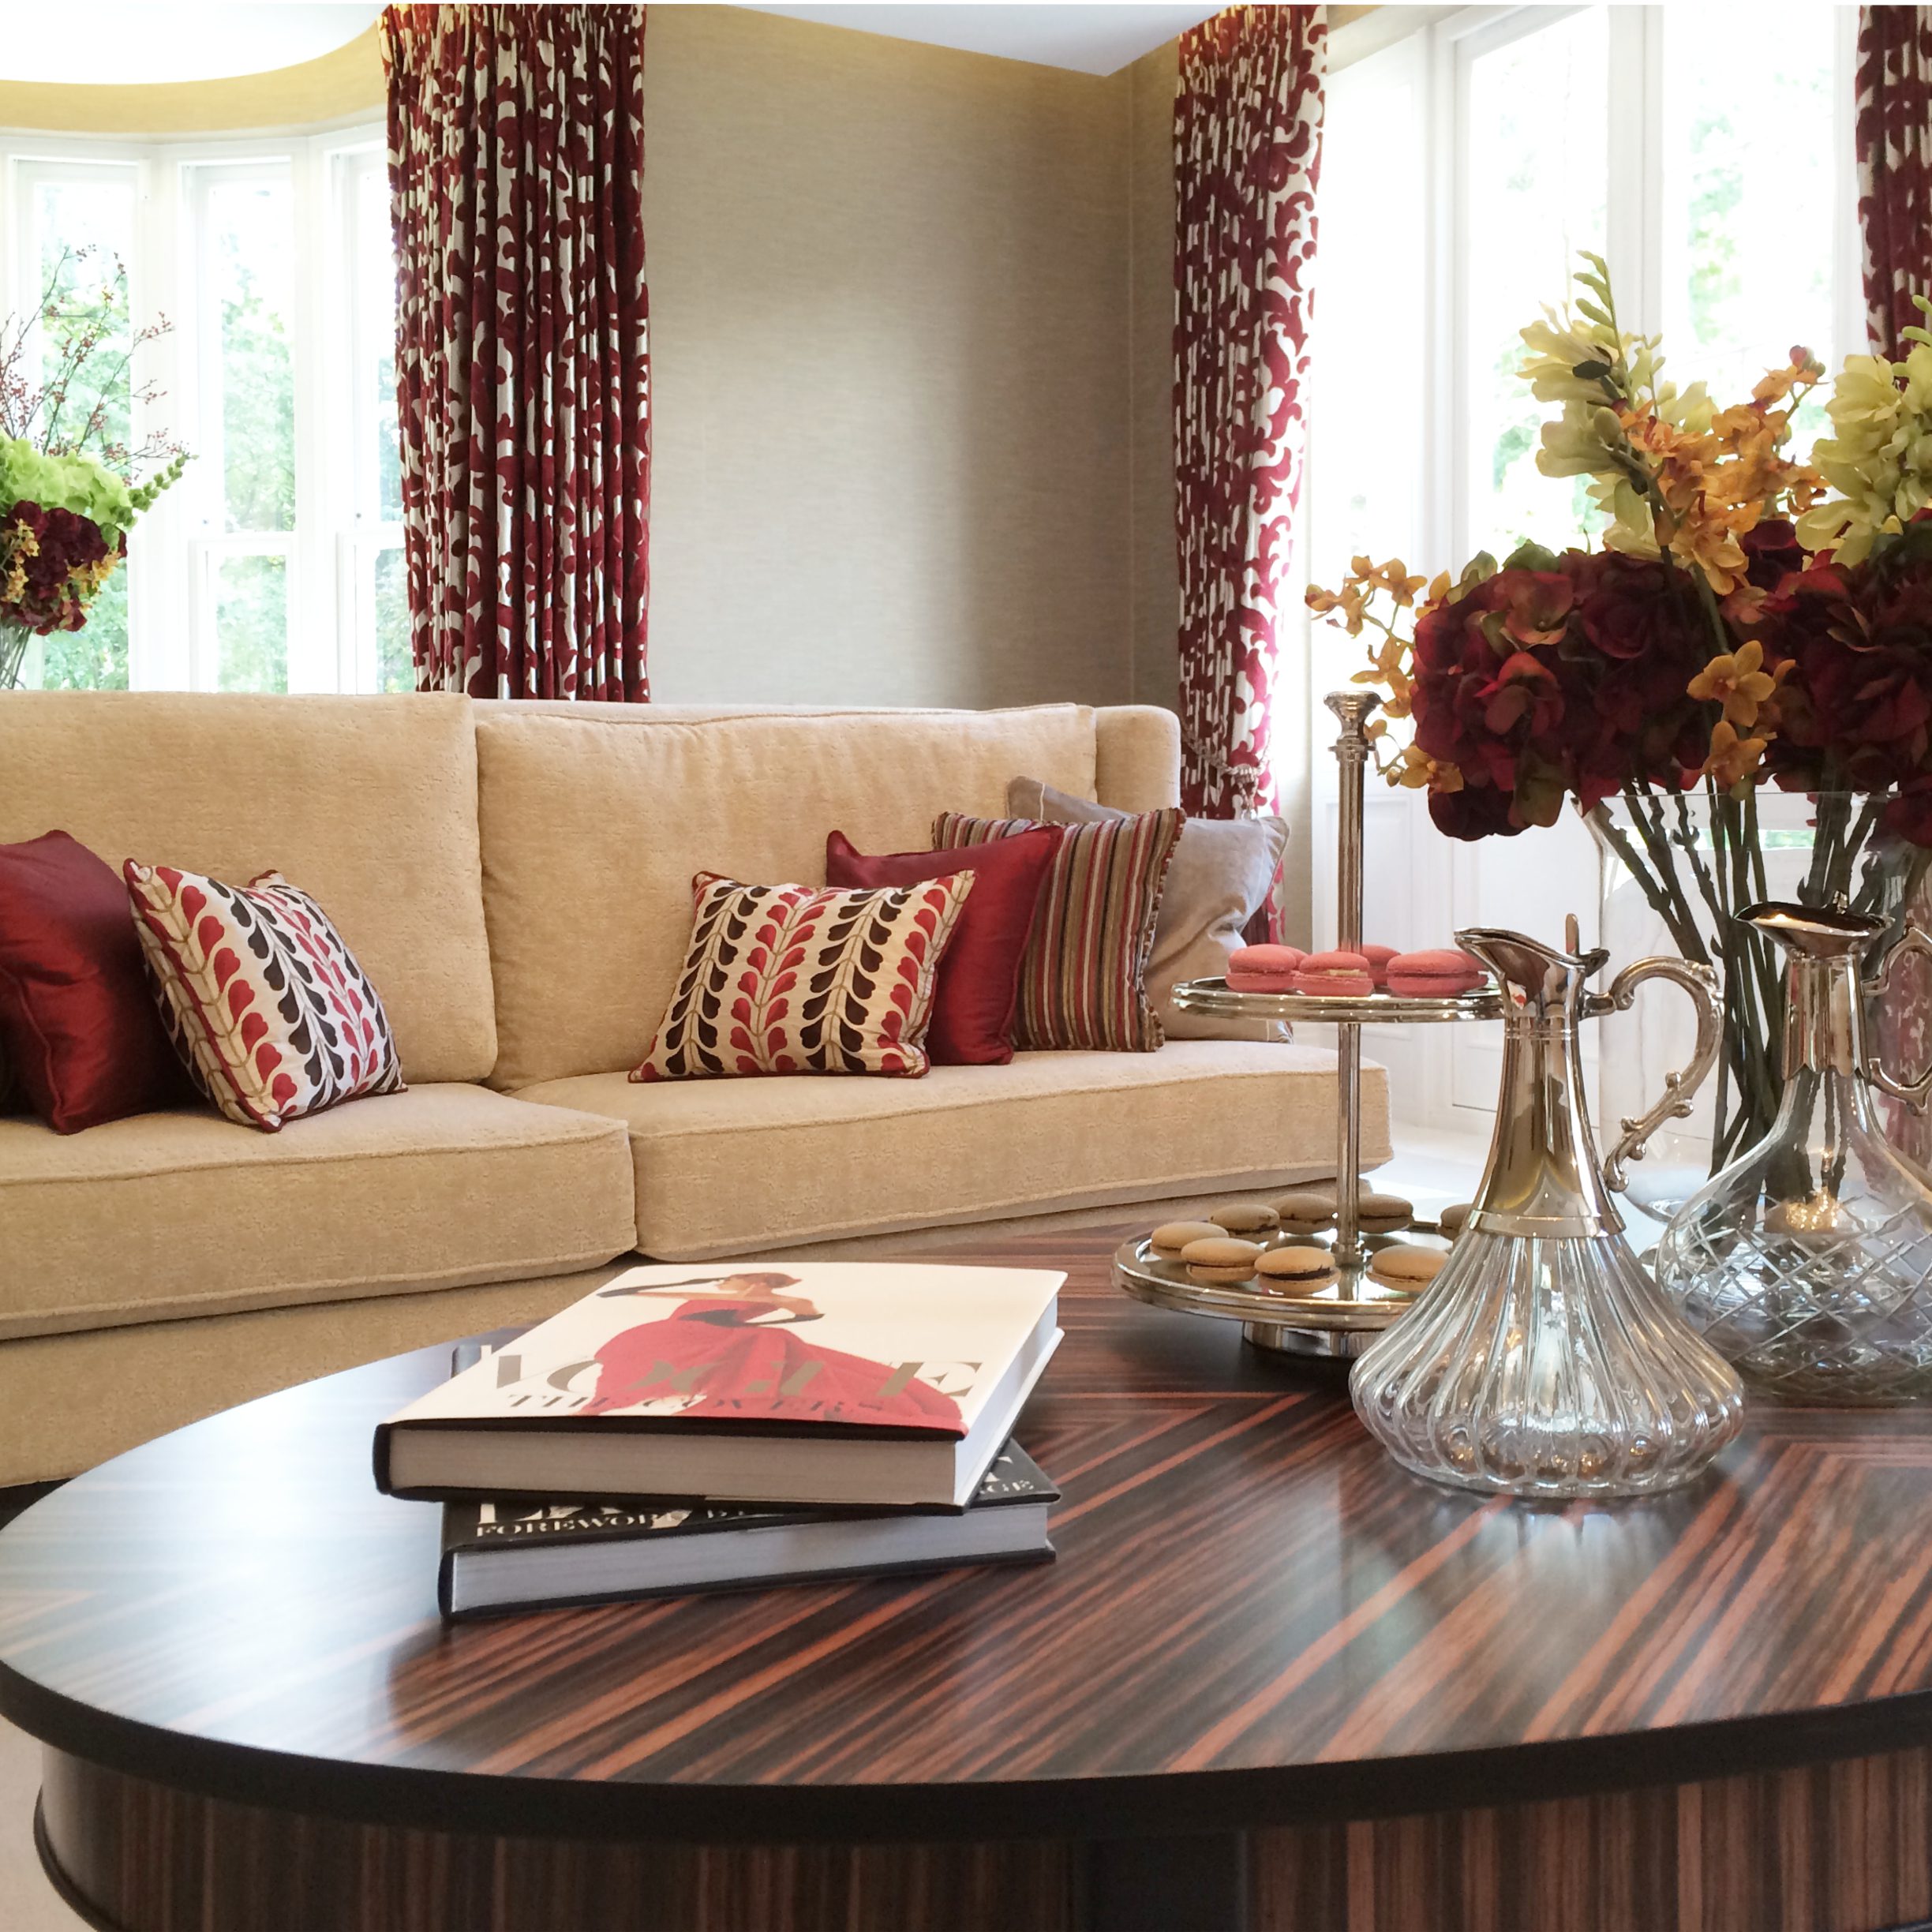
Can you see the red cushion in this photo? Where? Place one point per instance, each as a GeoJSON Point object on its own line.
{"type": "Point", "coordinates": [980, 975]}
{"type": "Point", "coordinates": [78, 1023]}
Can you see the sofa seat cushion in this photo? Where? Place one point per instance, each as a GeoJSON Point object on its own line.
{"type": "Point", "coordinates": [730, 1165]}
{"type": "Point", "coordinates": [163, 1216]}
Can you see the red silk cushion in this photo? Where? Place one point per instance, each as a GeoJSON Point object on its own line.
{"type": "Point", "coordinates": [972, 1019]}
{"type": "Point", "coordinates": [79, 1026]}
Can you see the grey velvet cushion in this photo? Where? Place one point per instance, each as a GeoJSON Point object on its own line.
{"type": "Point", "coordinates": [1221, 873]}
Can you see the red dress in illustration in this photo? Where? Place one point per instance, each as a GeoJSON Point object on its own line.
{"type": "Point", "coordinates": [728, 1352]}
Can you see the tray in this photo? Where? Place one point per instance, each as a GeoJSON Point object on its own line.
{"type": "Point", "coordinates": [1212, 997]}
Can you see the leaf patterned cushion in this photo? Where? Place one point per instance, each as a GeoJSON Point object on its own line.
{"type": "Point", "coordinates": [265, 1003]}
{"type": "Point", "coordinates": [806, 979]}
{"type": "Point", "coordinates": [1083, 979]}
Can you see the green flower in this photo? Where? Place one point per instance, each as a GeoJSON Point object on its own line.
{"type": "Point", "coordinates": [75, 483]}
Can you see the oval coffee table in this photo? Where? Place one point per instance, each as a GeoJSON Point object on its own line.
{"type": "Point", "coordinates": [1272, 1681]}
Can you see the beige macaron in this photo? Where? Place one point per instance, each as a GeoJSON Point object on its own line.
{"type": "Point", "coordinates": [1171, 1237]}
{"type": "Point", "coordinates": [1451, 1219]}
{"type": "Point", "coordinates": [1245, 1217]}
{"type": "Point", "coordinates": [1295, 1270]}
{"type": "Point", "coordinates": [1222, 1259]}
{"type": "Point", "coordinates": [1409, 1269]}
{"type": "Point", "coordinates": [1303, 1213]}
{"type": "Point", "coordinates": [1382, 1214]}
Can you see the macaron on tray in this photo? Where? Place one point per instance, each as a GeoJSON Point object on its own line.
{"type": "Point", "coordinates": [1438, 981]}
{"type": "Point", "coordinates": [1264, 1260]}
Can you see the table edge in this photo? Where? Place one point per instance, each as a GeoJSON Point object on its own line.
{"type": "Point", "coordinates": [1170, 1802]}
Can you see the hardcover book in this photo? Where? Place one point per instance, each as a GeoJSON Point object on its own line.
{"type": "Point", "coordinates": [502, 1558]}
{"type": "Point", "coordinates": [837, 1384]}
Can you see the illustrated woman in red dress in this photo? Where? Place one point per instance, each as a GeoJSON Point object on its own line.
{"type": "Point", "coordinates": [728, 1351]}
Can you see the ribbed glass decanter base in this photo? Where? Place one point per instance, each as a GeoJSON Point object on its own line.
{"type": "Point", "coordinates": [1547, 1367]}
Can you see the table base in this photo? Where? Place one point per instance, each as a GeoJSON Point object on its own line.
{"type": "Point", "coordinates": [1843, 1848]}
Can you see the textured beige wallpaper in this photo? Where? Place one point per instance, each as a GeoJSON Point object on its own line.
{"type": "Point", "coordinates": [1153, 567]}
{"type": "Point", "coordinates": [889, 338]}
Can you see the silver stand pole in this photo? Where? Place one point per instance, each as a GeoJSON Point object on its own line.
{"type": "Point", "coordinates": [1354, 708]}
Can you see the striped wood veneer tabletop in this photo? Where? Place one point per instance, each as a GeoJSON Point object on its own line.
{"type": "Point", "coordinates": [1255, 1620]}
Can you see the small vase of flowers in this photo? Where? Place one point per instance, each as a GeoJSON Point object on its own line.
{"type": "Point", "coordinates": [71, 490]}
{"type": "Point", "coordinates": [1750, 621]}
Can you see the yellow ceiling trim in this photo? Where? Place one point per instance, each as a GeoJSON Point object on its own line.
{"type": "Point", "coordinates": [339, 86]}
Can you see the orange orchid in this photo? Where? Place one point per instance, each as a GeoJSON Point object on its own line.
{"type": "Point", "coordinates": [1733, 759]}
{"type": "Point", "coordinates": [1738, 680]}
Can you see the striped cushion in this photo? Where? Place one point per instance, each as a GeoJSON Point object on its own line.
{"type": "Point", "coordinates": [806, 979]}
{"type": "Point", "coordinates": [1082, 980]}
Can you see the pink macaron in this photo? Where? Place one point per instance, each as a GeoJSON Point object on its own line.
{"type": "Point", "coordinates": [1338, 974]}
{"type": "Point", "coordinates": [1378, 958]}
{"type": "Point", "coordinates": [1277, 961]}
{"type": "Point", "coordinates": [1437, 973]}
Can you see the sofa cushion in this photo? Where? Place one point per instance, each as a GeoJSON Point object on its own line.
{"type": "Point", "coordinates": [724, 1166]}
{"type": "Point", "coordinates": [369, 803]}
{"type": "Point", "coordinates": [594, 824]}
{"type": "Point", "coordinates": [790, 979]}
{"type": "Point", "coordinates": [270, 1012]}
{"type": "Point", "coordinates": [169, 1214]}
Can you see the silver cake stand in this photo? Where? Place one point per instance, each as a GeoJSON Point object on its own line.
{"type": "Point", "coordinates": [1339, 1320]}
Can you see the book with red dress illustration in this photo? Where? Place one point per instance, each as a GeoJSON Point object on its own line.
{"type": "Point", "coordinates": [867, 1384]}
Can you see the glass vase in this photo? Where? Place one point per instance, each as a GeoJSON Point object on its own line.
{"type": "Point", "coordinates": [1675, 869]}
{"type": "Point", "coordinates": [1806, 1263]}
{"type": "Point", "coordinates": [17, 643]}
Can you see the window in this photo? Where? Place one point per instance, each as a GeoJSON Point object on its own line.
{"type": "Point", "coordinates": [1469, 155]}
{"type": "Point", "coordinates": [275, 563]}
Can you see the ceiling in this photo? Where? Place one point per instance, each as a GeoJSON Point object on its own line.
{"type": "Point", "coordinates": [161, 40]}
{"type": "Point", "coordinates": [1095, 39]}
{"type": "Point", "coordinates": [110, 42]}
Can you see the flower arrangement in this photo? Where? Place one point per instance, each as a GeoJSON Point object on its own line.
{"type": "Point", "coordinates": [68, 493]}
{"type": "Point", "coordinates": [1750, 618]}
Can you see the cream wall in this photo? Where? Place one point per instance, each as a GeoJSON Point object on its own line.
{"type": "Point", "coordinates": [890, 343]}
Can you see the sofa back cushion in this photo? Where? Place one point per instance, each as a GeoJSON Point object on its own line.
{"type": "Point", "coordinates": [595, 818]}
{"type": "Point", "coordinates": [369, 804]}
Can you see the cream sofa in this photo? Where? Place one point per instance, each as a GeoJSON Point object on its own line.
{"type": "Point", "coordinates": [516, 879]}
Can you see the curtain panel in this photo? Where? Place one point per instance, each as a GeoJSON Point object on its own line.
{"type": "Point", "coordinates": [1894, 136]}
{"type": "Point", "coordinates": [1248, 118]}
{"type": "Point", "coordinates": [516, 168]}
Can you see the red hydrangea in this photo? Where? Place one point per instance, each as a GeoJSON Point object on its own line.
{"type": "Point", "coordinates": [1558, 676]}
{"type": "Point", "coordinates": [50, 565]}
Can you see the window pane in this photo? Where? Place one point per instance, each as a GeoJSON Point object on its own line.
{"type": "Point", "coordinates": [375, 277]}
{"type": "Point", "coordinates": [1750, 188]}
{"type": "Point", "coordinates": [394, 669]}
{"type": "Point", "coordinates": [84, 231]}
{"type": "Point", "coordinates": [250, 256]}
{"type": "Point", "coordinates": [1365, 424]}
{"type": "Point", "coordinates": [1538, 168]}
{"type": "Point", "coordinates": [251, 623]}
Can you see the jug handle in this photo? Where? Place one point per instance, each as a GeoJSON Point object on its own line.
{"type": "Point", "coordinates": [1913, 1092]}
{"type": "Point", "coordinates": [1701, 983]}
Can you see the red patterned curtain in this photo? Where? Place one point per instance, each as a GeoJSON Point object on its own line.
{"type": "Point", "coordinates": [516, 168]}
{"type": "Point", "coordinates": [1895, 166]}
{"type": "Point", "coordinates": [1248, 120]}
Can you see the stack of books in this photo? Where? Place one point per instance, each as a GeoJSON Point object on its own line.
{"type": "Point", "coordinates": [684, 1429]}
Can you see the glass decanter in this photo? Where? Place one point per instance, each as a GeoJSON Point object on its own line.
{"type": "Point", "coordinates": [1543, 1361]}
{"type": "Point", "coordinates": [1807, 1262]}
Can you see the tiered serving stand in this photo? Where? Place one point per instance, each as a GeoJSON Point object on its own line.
{"type": "Point", "coordinates": [1338, 1321]}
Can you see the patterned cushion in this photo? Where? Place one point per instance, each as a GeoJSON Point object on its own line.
{"type": "Point", "coordinates": [1082, 983]}
{"type": "Point", "coordinates": [803, 980]}
{"type": "Point", "coordinates": [267, 1006]}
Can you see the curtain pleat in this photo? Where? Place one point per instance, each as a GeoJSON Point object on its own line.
{"type": "Point", "coordinates": [1248, 118]}
{"type": "Point", "coordinates": [516, 169]}
{"type": "Point", "coordinates": [1894, 136]}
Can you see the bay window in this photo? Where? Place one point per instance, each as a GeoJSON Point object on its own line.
{"type": "Point", "coordinates": [274, 565]}
{"type": "Point", "coordinates": [1470, 155]}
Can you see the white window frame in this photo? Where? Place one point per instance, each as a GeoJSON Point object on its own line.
{"type": "Point", "coordinates": [181, 542]}
{"type": "Point", "coordinates": [1438, 44]}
